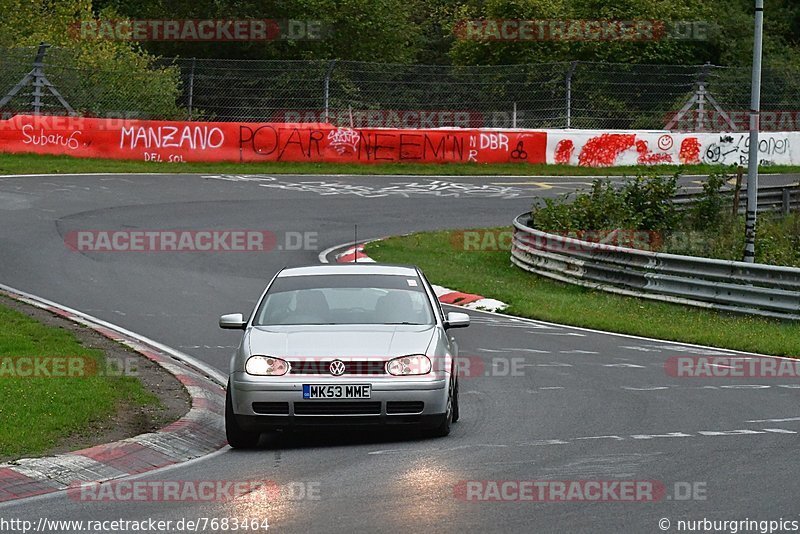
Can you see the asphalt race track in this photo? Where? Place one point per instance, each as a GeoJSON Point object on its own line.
{"type": "Point", "coordinates": [585, 405]}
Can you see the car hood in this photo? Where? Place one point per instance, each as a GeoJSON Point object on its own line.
{"type": "Point", "coordinates": [341, 341]}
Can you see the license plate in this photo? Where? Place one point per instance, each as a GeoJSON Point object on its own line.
{"type": "Point", "coordinates": [336, 391]}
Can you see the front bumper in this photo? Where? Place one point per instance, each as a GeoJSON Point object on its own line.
{"type": "Point", "coordinates": [393, 400]}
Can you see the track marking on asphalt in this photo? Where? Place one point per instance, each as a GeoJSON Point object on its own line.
{"type": "Point", "coordinates": [625, 365]}
{"type": "Point", "coordinates": [551, 364]}
{"type": "Point", "coordinates": [676, 348]}
{"type": "Point", "coordinates": [667, 435]}
{"type": "Point", "coordinates": [514, 322]}
{"type": "Point", "coordinates": [785, 420]}
{"type": "Point", "coordinates": [578, 351]}
{"type": "Point", "coordinates": [729, 387]}
{"type": "Point", "coordinates": [740, 432]}
{"type": "Point", "coordinates": [419, 186]}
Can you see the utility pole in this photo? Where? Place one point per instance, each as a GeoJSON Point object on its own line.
{"type": "Point", "coordinates": [755, 125]}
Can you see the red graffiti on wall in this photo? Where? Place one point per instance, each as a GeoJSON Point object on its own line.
{"type": "Point", "coordinates": [603, 151]}
{"type": "Point", "coordinates": [690, 151]}
{"type": "Point", "coordinates": [649, 158]}
{"type": "Point", "coordinates": [564, 151]}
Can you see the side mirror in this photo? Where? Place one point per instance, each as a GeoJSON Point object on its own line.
{"type": "Point", "coordinates": [232, 321]}
{"type": "Point", "coordinates": [457, 320]}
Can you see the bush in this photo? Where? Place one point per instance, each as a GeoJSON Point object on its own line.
{"type": "Point", "coordinates": [707, 212]}
{"type": "Point", "coordinates": [643, 203]}
{"type": "Point", "coordinates": [97, 77]}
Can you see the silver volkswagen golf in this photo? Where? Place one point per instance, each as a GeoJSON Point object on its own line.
{"type": "Point", "coordinates": [347, 344]}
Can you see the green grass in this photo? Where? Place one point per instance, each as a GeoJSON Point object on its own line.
{"type": "Point", "coordinates": [37, 413]}
{"type": "Point", "coordinates": [36, 164]}
{"type": "Point", "coordinates": [492, 275]}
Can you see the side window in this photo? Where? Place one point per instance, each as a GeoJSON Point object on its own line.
{"type": "Point", "coordinates": [438, 306]}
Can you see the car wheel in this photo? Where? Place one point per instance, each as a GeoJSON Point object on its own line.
{"type": "Point", "coordinates": [237, 438]}
{"type": "Point", "coordinates": [443, 429]}
{"type": "Point", "coordinates": [456, 404]}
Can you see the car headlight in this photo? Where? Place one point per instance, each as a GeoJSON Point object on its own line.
{"type": "Point", "coordinates": [266, 366]}
{"type": "Point", "coordinates": [416, 364]}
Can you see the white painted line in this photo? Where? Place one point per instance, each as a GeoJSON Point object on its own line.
{"type": "Point", "coordinates": [742, 432]}
{"type": "Point", "coordinates": [785, 420]}
{"type": "Point", "coordinates": [668, 435]}
{"type": "Point", "coordinates": [779, 431]}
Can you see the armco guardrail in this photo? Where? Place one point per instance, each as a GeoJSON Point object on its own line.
{"type": "Point", "coordinates": [731, 286]}
{"type": "Point", "coordinates": [784, 198]}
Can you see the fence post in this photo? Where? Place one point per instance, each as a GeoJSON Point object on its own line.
{"type": "Point", "coordinates": [737, 190]}
{"type": "Point", "coordinates": [327, 89]}
{"type": "Point", "coordinates": [38, 77]}
{"type": "Point", "coordinates": [514, 116]}
{"type": "Point", "coordinates": [191, 87]}
{"type": "Point", "coordinates": [570, 72]}
{"type": "Point", "coordinates": [785, 201]}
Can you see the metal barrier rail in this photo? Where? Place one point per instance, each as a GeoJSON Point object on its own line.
{"type": "Point", "coordinates": [731, 286]}
{"type": "Point", "coordinates": [783, 198]}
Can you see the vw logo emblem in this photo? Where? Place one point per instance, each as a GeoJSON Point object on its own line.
{"type": "Point", "coordinates": [337, 368]}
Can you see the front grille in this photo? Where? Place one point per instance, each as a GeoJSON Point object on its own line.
{"type": "Point", "coordinates": [404, 407]}
{"type": "Point", "coordinates": [271, 408]}
{"type": "Point", "coordinates": [337, 408]}
{"type": "Point", "coordinates": [322, 367]}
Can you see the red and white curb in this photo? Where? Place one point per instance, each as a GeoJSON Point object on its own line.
{"type": "Point", "coordinates": [201, 431]}
{"type": "Point", "coordinates": [445, 295]}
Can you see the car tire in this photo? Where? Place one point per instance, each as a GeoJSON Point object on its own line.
{"type": "Point", "coordinates": [456, 404]}
{"type": "Point", "coordinates": [446, 419]}
{"type": "Point", "coordinates": [237, 438]}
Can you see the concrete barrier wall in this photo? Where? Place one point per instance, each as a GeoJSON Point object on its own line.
{"type": "Point", "coordinates": [249, 142]}
{"type": "Point", "coordinates": [315, 142]}
{"type": "Point", "coordinates": [603, 148]}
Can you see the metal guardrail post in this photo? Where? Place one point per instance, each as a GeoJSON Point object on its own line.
{"type": "Point", "coordinates": [737, 190]}
{"type": "Point", "coordinates": [785, 200]}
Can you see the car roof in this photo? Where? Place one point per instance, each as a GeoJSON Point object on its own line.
{"type": "Point", "coordinates": [350, 268]}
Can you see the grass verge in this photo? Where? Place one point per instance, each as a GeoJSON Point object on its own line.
{"type": "Point", "coordinates": [490, 273]}
{"type": "Point", "coordinates": [36, 413]}
{"type": "Point", "coordinates": [36, 164]}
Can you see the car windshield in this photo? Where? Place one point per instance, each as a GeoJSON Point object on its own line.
{"type": "Point", "coordinates": [345, 299]}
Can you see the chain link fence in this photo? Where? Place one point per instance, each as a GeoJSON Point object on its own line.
{"type": "Point", "coordinates": [360, 94]}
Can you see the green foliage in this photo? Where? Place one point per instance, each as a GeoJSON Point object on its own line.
{"type": "Point", "coordinates": [97, 75]}
{"type": "Point", "coordinates": [777, 239]}
{"type": "Point", "coordinates": [643, 203]}
{"type": "Point", "coordinates": [706, 213]}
